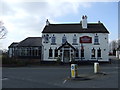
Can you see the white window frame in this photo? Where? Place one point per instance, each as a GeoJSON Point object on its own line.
{"type": "Point", "coordinates": [74, 39]}
{"type": "Point", "coordinates": [64, 39]}
{"type": "Point", "coordinates": [53, 40]}
{"type": "Point", "coordinates": [96, 40]}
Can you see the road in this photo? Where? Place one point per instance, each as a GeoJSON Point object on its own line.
{"type": "Point", "coordinates": [58, 77]}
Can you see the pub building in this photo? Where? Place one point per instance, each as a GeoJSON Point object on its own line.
{"type": "Point", "coordinates": [75, 41]}
{"type": "Point", "coordinates": [69, 42]}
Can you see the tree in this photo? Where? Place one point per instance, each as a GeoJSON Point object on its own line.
{"type": "Point", "coordinates": [119, 43]}
{"type": "Point", "coordinates": [114, 44]}
{"type": "Point", "coordinates": [113, 47]}
{"type": "Point", "coordinates": [3, 30]}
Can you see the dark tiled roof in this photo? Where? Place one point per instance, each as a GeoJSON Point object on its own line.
{"type": "Point", "coordinates": [75, 28]}
{"type": "Point", "coordinates": [30, 42]}
{"type": "Point", "coordinates": [14, 44]}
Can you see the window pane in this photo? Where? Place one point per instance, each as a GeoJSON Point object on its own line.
{"type": "Point", "coordinates": [99, 53]}
{"type": "Point", "coordinates": [77, 53]}
{"type": "Point", "coordinates": [96, 39]}
{"type": "Point", "coordinates": [56, 53]}
{"type": "Point", "coordinates": [82, 53]}
{"type": "Point", "coordinates": [33, 52]}
{"type": "Point", "coordinates": [53, 39]}
{"type": "Point", "coordinates": [74, 39]}
{"type": "Point", "coordinates": [46, 38]}
{"type": "Point", "coordinates": [93, 52]}
{"type": "Point", "coordinates": [64, 39]}
{"type": "Point", "coordinates": [50, 52]}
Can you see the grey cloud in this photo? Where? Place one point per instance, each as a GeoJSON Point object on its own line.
{"type": "Point", "coordinates": [36, 14]}
{"type": "Point", "coordinates": [35, 7]}
{"type": "Point", "coordinates": [7, 9]}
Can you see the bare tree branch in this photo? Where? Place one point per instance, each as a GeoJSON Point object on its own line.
{"type": "Point", "coordinates": [3, 30]}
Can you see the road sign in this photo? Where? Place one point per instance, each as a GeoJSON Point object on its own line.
{"type": "Point", "coordinates": [74, 72]}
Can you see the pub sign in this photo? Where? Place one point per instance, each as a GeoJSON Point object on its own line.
{"type": "Point", "coordinates": [85, 39]}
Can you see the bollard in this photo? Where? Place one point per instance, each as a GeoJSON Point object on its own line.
{"type": "Point", "coordinates": [74, 72]}
{"type": "Point", "coordinates": [96, 67]}
{"type": "Point", "coordinates": [119, 57]}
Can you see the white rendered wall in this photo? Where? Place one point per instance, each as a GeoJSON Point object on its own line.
{"type": "Point", "coordinates": [87, 47]}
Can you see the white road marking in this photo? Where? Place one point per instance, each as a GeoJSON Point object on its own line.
{"type": "Point", "coordinates": [64, 81]}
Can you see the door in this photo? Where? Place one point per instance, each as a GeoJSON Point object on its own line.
{"type": "Point", "coordinates": [66, 56]}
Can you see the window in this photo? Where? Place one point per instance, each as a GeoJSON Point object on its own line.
{"type": "Point", "coordinates": [74, 39]}
{"type": "Point", "coordinates": [33, 54]}
{"type": "Point", "coordinates": [77, 53]}
{"type": "Point", "coordinates": [99, 53]}
{"type": "Point", "coordinates": [56, 52]}
{"type": "Point", "coordinates": [39, 52]}
{"type": "Point", "coordinates": [64, 39]}
{"type": "Point", "coordinates": [53, 40]}
{"type": "Point", "coordinates": [46, 38]}
{"type": "Point", "coordinates": [61, 50]}
{"type": "Point", "coordinates": [82, 50]}
{"type": "Point", "coordinates": [25, 51]}
{"type": "Point", "coordinates": [93, 53]}
{"type": "Point", "coordinates": [20, 51]}
{"type": "Point", "coordinates": [82, 53]}
{"type": "Point", "coordinates": [35, 51]}
{"type": "Point", "coordinates": [50, 52]}
{"type": "Point", "coordinates": [96, 40]}
{"type": "Point", "coordinates": [28, 52]}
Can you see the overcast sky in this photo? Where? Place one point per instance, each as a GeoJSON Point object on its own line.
{"type": "Point", "coordinates": [27, 19]}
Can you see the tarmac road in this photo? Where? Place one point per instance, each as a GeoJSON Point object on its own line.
{"type": "Point", "coordinates": [58, 77]}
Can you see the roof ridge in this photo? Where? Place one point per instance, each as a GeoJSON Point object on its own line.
{"type": "Point", "coordinates": [33, 37]}
{"type": "Point", "coordinates": [74, 23]}
{"type": "Point", "coordinates": [15, 42]}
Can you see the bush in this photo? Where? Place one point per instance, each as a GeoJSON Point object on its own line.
{"type": "Point", "coordinates": [11, 61]}
{"type": "Point", "coordinates": [5, 59]}
{"type": "Point", "coordinates": [58, 60]}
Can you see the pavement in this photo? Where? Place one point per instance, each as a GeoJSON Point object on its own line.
{"type": "Point", "coordinates": [59, 76]}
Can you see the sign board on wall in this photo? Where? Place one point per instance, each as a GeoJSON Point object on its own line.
{"type": "Point", "coordinates": [85, 39]}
